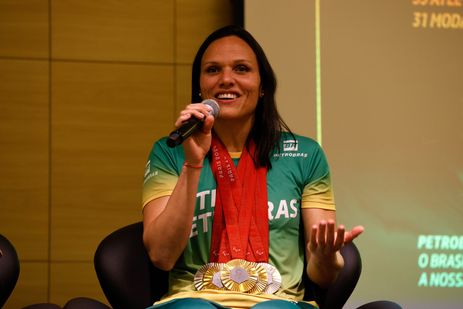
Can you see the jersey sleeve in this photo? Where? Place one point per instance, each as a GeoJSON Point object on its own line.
{"type": "Point", "coordinates": [318, 191]}
{"type": "Point", "coordinates": [161, 173]}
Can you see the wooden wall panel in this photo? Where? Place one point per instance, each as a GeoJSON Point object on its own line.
{"type": "Point", "coordinates": [74, 147]}
{"type": "Point", "coordinates": [24, 156]}
{"type": "Point", "coordinates": [195, 20]}
{"type": "Point", "coordinates": [104, 119]}
{"type": "Point", "coordinates": [113, 30]}
{"type": "Point", "coordinates": [183, 89]}
{"type": "Point", "coordinates": [72, 279]}
{"type": "Point", "coordinates": [32, 285]}
{"type": "Point", "coordinates": [24, 28]}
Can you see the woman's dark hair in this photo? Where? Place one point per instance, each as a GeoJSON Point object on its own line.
{"type": "Point", "coordinates": [268, 124]}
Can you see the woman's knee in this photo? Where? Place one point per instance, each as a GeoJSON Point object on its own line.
{"type": "Point", "coordinates": [186, 303]}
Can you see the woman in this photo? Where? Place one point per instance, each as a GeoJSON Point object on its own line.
{"type": "Point", "coordinates": [223, 212]}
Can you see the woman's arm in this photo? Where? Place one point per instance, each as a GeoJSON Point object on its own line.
{"type": "Point", "coordinates": [167, 220]}
{"type": "Point", "coordinates": [323, 242]}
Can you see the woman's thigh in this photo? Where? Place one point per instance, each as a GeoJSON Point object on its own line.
{"type": "Point", "coordinates": [198, 303]}
{"type": "Point", "coordinates": [282, 304]}
{"type": "Point", "coordinates": [187, 303]}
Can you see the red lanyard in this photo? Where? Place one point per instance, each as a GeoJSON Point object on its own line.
{"type": "Point", "coordinates": [240, 226]}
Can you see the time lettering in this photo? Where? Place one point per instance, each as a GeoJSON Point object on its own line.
{"type": "Point", "coordinates": [449, 3]}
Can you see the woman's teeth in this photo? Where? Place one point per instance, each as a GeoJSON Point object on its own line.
{"type": "Point", "coordinates": [226, 96]}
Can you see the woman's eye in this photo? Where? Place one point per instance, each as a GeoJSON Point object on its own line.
{"type": "Point", "coordinates": [242, 68]}
{"type": "Point", "coordinates": [212, 69]}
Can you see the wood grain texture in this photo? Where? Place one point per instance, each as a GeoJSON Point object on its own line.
{"type": "Point", "coordinates": [105, 118]}
{"type": "Point", "coordinates": [112, 30]}
{"type": "Point", "coordinates": [195, 20]}
{"type": "Point", "coordinates": [24, 28]}
{"type": "Point", "coordinates": [24, 156]}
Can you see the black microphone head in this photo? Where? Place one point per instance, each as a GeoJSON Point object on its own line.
{"type": "Point", "coordinates": [214, 105]}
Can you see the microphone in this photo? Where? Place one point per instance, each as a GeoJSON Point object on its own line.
{"type": "Point", "coordinates": [191, 125]}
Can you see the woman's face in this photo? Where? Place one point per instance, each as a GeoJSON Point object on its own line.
{"type": "Point", "coordinates": [230, 75]}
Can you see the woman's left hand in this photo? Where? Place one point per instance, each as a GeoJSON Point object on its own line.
{"type": "Point", "coordinates": [323, 247]}
{"type": "Point", "coordinates": [325, 239]}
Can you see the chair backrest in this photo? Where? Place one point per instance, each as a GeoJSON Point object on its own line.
{"type": "Point", "coordinates": [129, 279]}
{"type": "Point", "coordinates": [9, 269]}
{"type": "Point", "coordinates": [125, 272]}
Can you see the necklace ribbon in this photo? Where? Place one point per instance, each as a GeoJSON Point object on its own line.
{"type": "Point", "coordinates": [240, 226]}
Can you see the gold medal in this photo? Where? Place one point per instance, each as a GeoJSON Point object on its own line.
{"type": "Point", "coordinates": [239, 275]}
{"type": "Point", "coordinates": [262, 279]}
{"type": "Point", "coordinates": [273, 278]}
{"type": "Point", "coordinates": [208, 277]}
{"type": "Point", "coordinates": [198, 279]}
{"type": "Point", "coordinates": [212, 276]}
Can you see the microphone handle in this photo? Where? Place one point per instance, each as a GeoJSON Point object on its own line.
{"type": "Point", "coordinates": [186, 129]}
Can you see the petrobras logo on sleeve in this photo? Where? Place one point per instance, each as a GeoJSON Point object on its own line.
{"type": "Point", "coordinates": [149, 173]}
{"type": "Point", "coordinates": [291, 149]}
{"type": "Point", "coordinates": [290, 145]}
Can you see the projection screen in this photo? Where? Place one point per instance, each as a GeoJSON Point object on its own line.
{"type": "Point", "coordinates": [379, 84]}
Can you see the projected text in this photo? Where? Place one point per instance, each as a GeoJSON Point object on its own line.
{"type": "Point", "coordinates": [440, 261]}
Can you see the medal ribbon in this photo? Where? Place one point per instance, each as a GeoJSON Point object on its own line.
{"type": "Point", "coordinates": [240, 226]}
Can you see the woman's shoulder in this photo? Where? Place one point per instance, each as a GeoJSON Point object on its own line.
{"type": "Point", "coordinates": [160, 147]}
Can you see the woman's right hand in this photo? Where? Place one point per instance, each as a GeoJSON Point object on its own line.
{"type": "Point", "coordinates": [197, 145]}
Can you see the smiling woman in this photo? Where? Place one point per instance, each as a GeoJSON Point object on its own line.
{"type": "Point", "coordinates": [235, 211]}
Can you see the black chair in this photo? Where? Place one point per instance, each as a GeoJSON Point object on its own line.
{"type": "Point", "coordinates": [146, 284]}
{"type": "Point", "coordinates": [9, 274]}
{"type": "Point", "coordinates": [9, 269]}
{"type": "Point", "coordinates": [129, 279]}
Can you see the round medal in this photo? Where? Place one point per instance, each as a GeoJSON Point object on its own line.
{"type": "Point", "coordinates": [262, 279]}
{"type": "Point", "coordinates": [208, 277]}
{"type": "Point", "coordinates": [198, 279]}
{"type": "Point", "coordinates": [212, 277]}
{"type": "Point", "coordinates": [239, 275]}
{"type": "Point", "coordinates": [273, 278]}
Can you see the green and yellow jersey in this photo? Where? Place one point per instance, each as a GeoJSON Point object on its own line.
{"type": "Point", "coordinates": [299, 178]}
